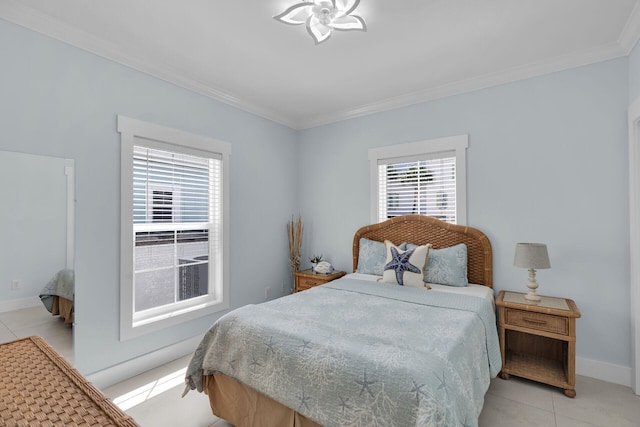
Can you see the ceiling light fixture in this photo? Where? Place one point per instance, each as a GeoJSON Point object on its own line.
{"type": "Point", "coordinates": [322, 16]}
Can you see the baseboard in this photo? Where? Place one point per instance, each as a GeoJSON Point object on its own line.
{"type": "Point", "coordinates": [604, 371]}
{"type": "Point", "coordinates": [133, 367]}
{"type": "Point", "coordinates": [19, 303]}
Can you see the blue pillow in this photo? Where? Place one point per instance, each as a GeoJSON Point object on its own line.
{"type": "Point", "coordinates": [446, 266]}
{"type": "Point", "coordinates": [372, 257]}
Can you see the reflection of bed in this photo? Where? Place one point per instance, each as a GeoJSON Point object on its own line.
{"type": "Point", "coordinates": [58, 294]}
{"type": "Point", "coordinates": [359, 352]}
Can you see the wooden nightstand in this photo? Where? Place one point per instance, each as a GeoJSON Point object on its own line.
{"type": "Point", "coordinates": [305, 279]}
{"type": "Point", "coordinates": [538, 340]}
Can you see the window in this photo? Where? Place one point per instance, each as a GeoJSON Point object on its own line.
{"type": "Point", "coordinates": [424, 178]}
{"type": "Point", "coordinates": [173, 227]}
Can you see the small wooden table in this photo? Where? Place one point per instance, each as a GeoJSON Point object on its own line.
{"type": "Point", "coordinates": [538, 340]}
{"type": "Point", "coordinates": [306, 279]}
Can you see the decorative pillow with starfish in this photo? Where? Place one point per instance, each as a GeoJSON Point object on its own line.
{"type": "Point", "coordinates": [405, 268]}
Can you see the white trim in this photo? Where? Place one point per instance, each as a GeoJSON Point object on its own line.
{"type": "Point", "coordinates": [69, 171]}
{"type": "Point", "coordinates": [19, 303]}
{"type": "Point", "coordinates": [631, 31]}
{"type": "Point", "coordinates": [138, 128]}
{"type": "Point", "coordinates": [458, 143]}
{"type": "Point", "coordinates": [603, 371]}
{"type": "Point", "coordinates": [634, 237]}
{"type": "Point", "coordinates": [131, 129]}
{"type": "Point", "coordinates": [133, 367]}
{"type": "Point", "coordinates": [14, 11]}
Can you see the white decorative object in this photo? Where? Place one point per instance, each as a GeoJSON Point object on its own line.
{"type": "Point", "coordinates": [532, 256]}
{"type": "Point", "coordinates": [323, 267]}
{"type": "Point", "coordinates": [322, 16]}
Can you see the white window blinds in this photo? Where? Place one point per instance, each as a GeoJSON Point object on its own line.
{"type": "Point", "coordinates": [174, 187]}
{"type": "Point", "coordinates": [423, 185]}
{"type": "Point", "coordinates": [176, 219]}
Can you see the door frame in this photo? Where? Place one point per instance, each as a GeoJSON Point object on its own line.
{"type": "Point", "coordinates": [634, 239]}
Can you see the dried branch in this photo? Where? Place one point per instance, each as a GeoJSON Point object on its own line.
{"type": "Point", "coordinates": [294, 231]}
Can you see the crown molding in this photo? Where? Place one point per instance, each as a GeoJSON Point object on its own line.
{"type": "Point", "coordinates": [631, 32]}
{"type": "Point", "coordinates": [560, 63]}
{"type": "Point", "coordinates": [25, 16]}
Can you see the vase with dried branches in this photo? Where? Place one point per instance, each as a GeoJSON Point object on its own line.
{"type": "Point", "coordinates": [294, 231]}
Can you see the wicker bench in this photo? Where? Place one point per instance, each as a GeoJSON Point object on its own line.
{"type": "Point", "coordinates": [39, 388]}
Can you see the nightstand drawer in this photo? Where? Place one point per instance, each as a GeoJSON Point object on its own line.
{"type": "Point", "coordinates": [538, 321]}
{"type": "Point", "coordinates": [305, 283]}
{"type": "Point", "coordinates": [306, 279]}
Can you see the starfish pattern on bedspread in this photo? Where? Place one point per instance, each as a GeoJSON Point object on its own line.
{"type": "Point", "coordinates": [443, 384]}
{"type": "Point", "coordinates": [344, 405]}
{"type": "Point", "coordinates": [365, 383]}
{"type": "Point", "coordinates": [270, 345]}
{"type": "Point", "coordinates": [417, 389]}
{"type": "Point", "coordinates": [255, 363]}
{"type": "Point", "coordinates": [303, 400]}
{"type": "Point", "coordinates": [305, 345]}
{"type": "Point", "coordinates": [400, 263]}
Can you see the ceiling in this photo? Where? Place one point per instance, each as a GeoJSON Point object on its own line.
{"type": "Point", "coordinates": [413, 50]}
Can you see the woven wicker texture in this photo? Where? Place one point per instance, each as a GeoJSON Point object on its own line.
{"type": "Point", "coordinates": [40, 388]}
{"type": "Point", "coordinates": [420, 230]}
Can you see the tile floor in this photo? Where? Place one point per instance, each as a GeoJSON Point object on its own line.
{"type": "Point", "coordinates": [153, 398]}
{"type": "Point", "coordinates": [38, 321]}
{"type": "Point", "coordinates": [512, 403]}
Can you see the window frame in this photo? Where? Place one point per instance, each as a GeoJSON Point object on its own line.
{"type": "Point", "coordinates": [132, 130]}
{"type": "Point", "coordinates": [451, 146]}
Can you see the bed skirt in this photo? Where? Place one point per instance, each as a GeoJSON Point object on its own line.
{"type": "Point", "coordinates": [64, 308]}
{"type": "Point", "coordinates": [245, 407]}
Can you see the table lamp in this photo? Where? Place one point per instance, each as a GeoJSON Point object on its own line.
{"type": "Point", "coordinates": [532, 256]}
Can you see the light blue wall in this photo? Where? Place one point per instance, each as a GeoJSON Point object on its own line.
{"type": "Point", "coordinates": [547, 162]}
{"type": "Point", "coordinates": [61, 101]}
{"type": "Point", "coordinates": [33, 222]}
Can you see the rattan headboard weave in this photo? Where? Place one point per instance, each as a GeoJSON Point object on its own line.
{"type": "Point", "coordinates": [421, 229]}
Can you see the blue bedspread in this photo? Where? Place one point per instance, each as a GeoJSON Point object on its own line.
{"type": "Point", "coordinates": [359, 353]}
{"type": "Point", "coordinates": [62, 284]}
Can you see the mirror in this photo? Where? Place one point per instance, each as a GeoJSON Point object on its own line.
{"type": "Point", "coordinates": [36, 225]}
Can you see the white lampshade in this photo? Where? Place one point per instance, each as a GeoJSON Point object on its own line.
{"type": "Point", "coordinates": [532, 256]}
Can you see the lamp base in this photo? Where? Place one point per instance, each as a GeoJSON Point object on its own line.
{"type": "Point", "coordinates": [532, 296]}
{"type": "Point", "coordinates": [532, 284]}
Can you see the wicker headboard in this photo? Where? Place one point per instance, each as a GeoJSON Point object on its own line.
{"type": "Point", "coordinates": [420, 230]}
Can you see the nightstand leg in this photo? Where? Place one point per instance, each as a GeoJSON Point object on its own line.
{"type": "Point", "coordinates": [570, 393]}
{"type": "Point", "coordinates": [504, 375]}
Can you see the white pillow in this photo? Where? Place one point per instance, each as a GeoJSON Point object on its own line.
{"type": "Point", "coordinates": [405, 268]}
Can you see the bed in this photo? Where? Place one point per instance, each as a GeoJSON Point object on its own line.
{"type": "Point", "coordinates": [357, 351]}
{"type": "Point", "coordinates": [58, 295]}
